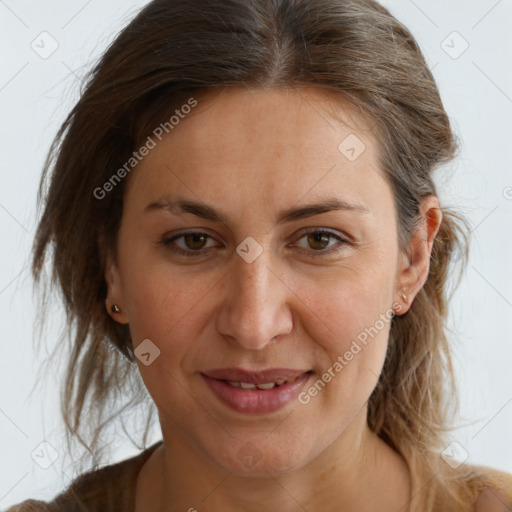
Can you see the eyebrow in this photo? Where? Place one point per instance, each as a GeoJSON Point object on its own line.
{"type": "Point", "coordinates": [178, 205]}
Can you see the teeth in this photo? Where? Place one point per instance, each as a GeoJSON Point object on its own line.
{"type": "Point", "coordinates": [267, 385]}
{"type": "Point", "coordinates": [264, 385]}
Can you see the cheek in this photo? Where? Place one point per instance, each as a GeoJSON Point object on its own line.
{"type": "Point", "coordinates": [158, 296]}
{"type": "Point", "coordinates": [160, 307]}
{"type": "Point", "coordinates": [349, 318]}
{"type": "Point", "coordinates": [165, 308]}
{"type": "Point", "coordinates": [346, 301]}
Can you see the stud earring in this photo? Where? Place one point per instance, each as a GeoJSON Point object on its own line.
{"type": "Point", "coordinates": [404, 297]}
{"type": "Point", "coordinates": [114, 308]}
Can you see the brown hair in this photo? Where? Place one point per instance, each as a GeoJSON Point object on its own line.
{"type": "Point", "coordinates": [177, 49]}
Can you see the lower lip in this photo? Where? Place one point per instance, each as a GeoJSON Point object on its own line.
{"type": "Point", "coordinates": [256, 401]}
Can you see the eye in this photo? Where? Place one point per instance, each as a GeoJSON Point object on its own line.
{"type": "Point", "coordinates": [195, 243]}
{"type": "Point", "coordinates": [319, 239]}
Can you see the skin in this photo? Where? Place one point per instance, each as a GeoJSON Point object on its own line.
{"type": "Point", "coordinates": [251, 154]}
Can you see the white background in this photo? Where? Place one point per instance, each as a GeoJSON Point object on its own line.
{"type": "Point", "coordinates": [476, 87]}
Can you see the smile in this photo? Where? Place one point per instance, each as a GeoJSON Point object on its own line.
{"type": "Point", "coordinates": [261, 397]}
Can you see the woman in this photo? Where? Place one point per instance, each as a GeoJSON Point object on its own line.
{"type": "Point", "coordinates": [241, 204]}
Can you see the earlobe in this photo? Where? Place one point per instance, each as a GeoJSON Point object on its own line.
{"type": "Point", "coordinates": [414, 269]}
{"type": "Point", "coordinates": [114, 302]}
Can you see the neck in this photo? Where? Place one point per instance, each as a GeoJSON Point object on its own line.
{"type": "Point", "coordinates": [358, 471]}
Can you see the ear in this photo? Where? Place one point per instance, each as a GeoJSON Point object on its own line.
{"type": "Point", "coordinates": [114, 291]}
{"type": "Point", "coordinates": [414, 267]}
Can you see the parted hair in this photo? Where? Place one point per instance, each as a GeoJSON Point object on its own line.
{"type": "Point", "coordinates": [177, 49]}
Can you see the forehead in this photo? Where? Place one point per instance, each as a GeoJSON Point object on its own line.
{"type": "Point", "coordinates": [279, 145]}
{"type": "Point", "coordinates": [277, 121]}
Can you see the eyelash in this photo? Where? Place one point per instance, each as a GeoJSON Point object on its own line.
{"type": "Point", "coordinates": [167, 242]}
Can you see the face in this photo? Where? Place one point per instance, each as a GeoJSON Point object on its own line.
{"type": "Point", "coordinates": [255, 289]}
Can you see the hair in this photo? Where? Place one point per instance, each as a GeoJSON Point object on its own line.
{"type": "Point", "coordinates": [176, 49]}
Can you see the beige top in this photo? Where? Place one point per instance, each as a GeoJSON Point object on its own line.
{"type": "Point", "coordinates": [112, 489]}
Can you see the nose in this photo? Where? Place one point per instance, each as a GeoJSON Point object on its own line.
{"type": "Point", "coordinates": [255, 304]}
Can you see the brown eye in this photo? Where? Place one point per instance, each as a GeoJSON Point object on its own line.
{"type": "Point", "coordinates": [318, 239]}
{"type": "Point", "coordinates": [318, 242]}
{"type": "Point", "coordinates": [194, 243]}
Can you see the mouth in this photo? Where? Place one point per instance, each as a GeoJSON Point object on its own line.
{"type": "Point", "coordinates": [262, 385]}
{"type": "Point", "coordinates": [271, 375]}
{"type": "Point", "coordinates": [256, 392]}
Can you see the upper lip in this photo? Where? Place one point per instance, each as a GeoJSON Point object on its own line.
{"type": "Point", "coordinates": [253, 377]}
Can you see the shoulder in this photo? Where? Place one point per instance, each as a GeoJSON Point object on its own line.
{"type": "Point", "coordinates": [109, 488]}
{"type": "Point", "coordinates": [496, 496]}
{"type": "Point", "coordinates": [464, 488]}
{"type": "Point", "coordinates": [485, 489]}
{"type": "Point", "coordinates": [29, 506]}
